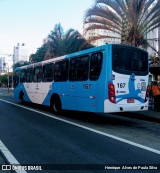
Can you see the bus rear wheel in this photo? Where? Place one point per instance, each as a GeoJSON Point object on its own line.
{"type": "Point", "coordinates": [56, 105]}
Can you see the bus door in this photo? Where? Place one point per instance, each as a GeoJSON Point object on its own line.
{"type": "Point", "coordinates": [83, 80]}
{"type": "Point", "coordinates": [37, 88]}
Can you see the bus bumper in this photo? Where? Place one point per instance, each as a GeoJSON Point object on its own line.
{"type": "Point", "coordinates": [111, 107]}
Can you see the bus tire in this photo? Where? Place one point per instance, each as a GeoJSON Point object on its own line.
{"type": "Point", "coordinates": [21, 96]}
{"type": "Point", "coordinates": [56, 105]}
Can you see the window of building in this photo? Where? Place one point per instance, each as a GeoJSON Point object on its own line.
{"type": "Point", "coordinates": [61, 71]}
{"type": "Point", "coordinates": [48, 72]}
{"type": "Point", "coordinates": [95, 66]}
{"type": "Point", "coordinates": [79, 69]}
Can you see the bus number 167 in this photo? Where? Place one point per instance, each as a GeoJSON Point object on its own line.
{"type": "Point", "coordinates": [87, 86]}
{"type": "Point", "coordinates": [121, 85]}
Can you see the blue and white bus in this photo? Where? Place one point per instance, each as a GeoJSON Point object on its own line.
{"type": "Point", "coordinates": [108, 78]}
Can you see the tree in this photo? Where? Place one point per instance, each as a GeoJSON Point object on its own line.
{"type": "Point", "coordinates": [3, 80]}
{"type": "Point", "coordinates": [61, 43]}
{"type": "Point", "coordinates": [132, 20]}
{"type": "Point", "coordinates": [40, 54]}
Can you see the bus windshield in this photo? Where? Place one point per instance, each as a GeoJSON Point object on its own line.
{"type": "Point", "coordinates": [128, 60]}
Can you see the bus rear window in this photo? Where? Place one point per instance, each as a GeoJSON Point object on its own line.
{"type": "Point", "coordinates": [128, 60]}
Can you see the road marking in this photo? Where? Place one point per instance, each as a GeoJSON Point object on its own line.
{"type": "Point", "coordinates": [11, 159]}
{"type": "Point", "coordinates": [90, 129]}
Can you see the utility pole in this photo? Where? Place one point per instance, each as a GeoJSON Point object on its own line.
{"type": "Point", "coordinates": [7, 68]}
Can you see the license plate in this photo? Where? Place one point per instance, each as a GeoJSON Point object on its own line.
{"type": "Point", "coordinates": [130, 100]}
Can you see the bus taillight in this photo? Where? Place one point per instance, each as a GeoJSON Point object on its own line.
{"type": "Point", "coordinates": [147, 94]}
{"type": "Point", "coordinates": [111, 93]}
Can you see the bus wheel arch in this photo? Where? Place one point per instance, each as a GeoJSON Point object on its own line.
{"type": "Point", "coordinates": [55, 104]}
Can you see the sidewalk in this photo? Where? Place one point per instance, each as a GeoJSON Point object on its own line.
{"type": "Point", "coordinates": [7, 91]}
{"type": "Point", "coordinates": [149, 115]}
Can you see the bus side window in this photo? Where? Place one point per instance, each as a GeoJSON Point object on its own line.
{"type": "Point", "coordinates": [79, 69]}
{"type": "Point", "coordinates": [61, 71]}
{"type": "Point", "coordinates": [48, 72]}
{"type": "Point", "coordinates": [83, 68]}
{"type": "Point", "coordinates": [72, 69]}
{"type": "Point", "coordinates": [23, 75]}
{"type": "Point", "coordinates": [95, 65]}
{"type": "Point", "coordinates": [38, 74]}
{"type": "Point", "coordinates": [16, 78]}
{"type": "Point", "coordinates": [29, 74]}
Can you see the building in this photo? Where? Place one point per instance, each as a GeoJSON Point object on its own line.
{"type": "Point", "coordinates": [154, 67]}
{"type": "Point", "coordinates": [109, 39]}
{"type": "Point", "coordinates": [154, 34]}
{"type": "Point", "coordinates": [20, 53]}
{"type": "Point", "coordinates": [2, 67]}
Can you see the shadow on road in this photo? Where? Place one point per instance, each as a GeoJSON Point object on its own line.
{"type": "Point", "coordinates": [87, 117]}
{"type": "Point", "coordinates": [150, 116]}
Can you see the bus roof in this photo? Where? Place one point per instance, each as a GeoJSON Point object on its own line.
{"type": "Point", "coordinates": [75, 54]}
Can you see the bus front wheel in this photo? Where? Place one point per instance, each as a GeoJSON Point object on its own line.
{"type": "Point", "coordinates": [56, 105]}
{"type": "Point", "coordinates": [21, 97]}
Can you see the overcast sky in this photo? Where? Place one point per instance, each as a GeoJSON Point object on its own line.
{"type": "Point", "coordinates": [30, 21]}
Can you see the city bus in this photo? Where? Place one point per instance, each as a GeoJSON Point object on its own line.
{"type": "Point", "coordinates": [104, 79]}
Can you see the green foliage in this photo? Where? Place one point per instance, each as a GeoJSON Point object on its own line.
{"type": "Point", "coordinates": [61, 43]}
{"type": "Point", "coordinates": [40, 54]}
{"type": "Point", "coordinates": [3, 79]}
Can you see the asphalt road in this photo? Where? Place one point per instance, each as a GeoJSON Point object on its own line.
{"type": "Point", "coordinates": [36, 138]}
